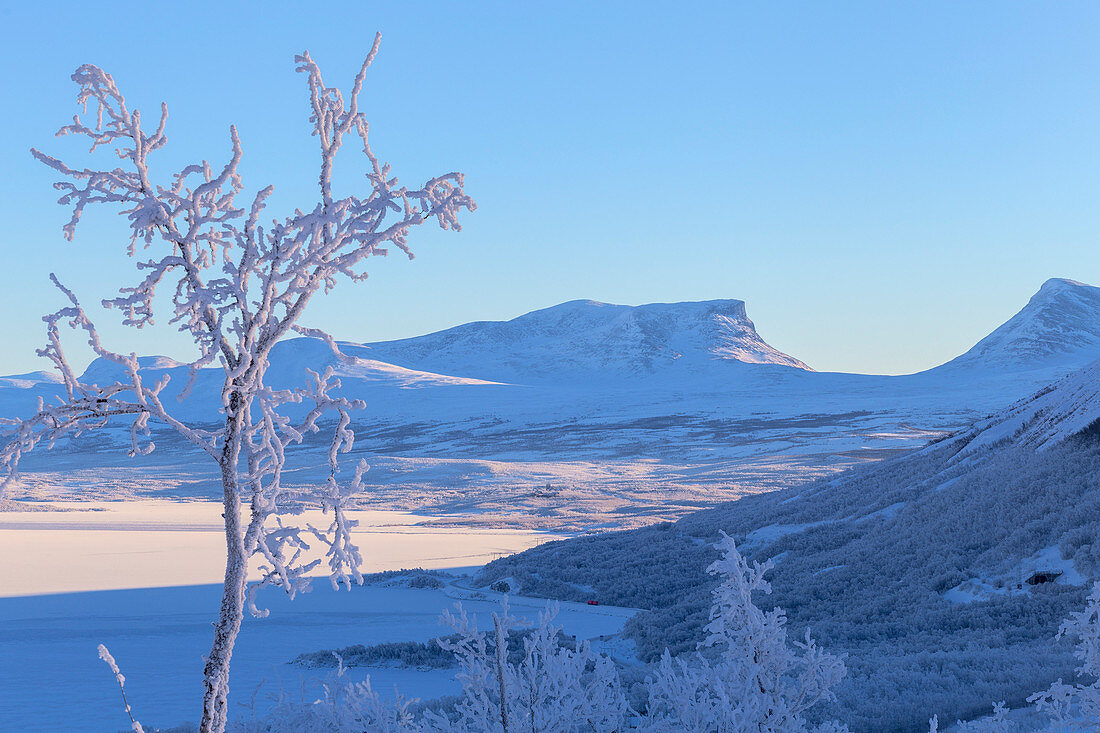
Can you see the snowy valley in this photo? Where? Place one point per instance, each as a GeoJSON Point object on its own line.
{"type": "Point", "coordinates": [905, 514]}
{"type": "Point", "coordinates": [589, 416]}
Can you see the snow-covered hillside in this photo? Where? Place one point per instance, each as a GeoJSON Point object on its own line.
{"type": "Point", "coordinates": [943, 574]}
{"type": "Point", "coordinates": [1053, 414]}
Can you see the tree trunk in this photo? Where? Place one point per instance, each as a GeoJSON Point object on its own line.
{"type": "Point", "coordinates": [215, 711]}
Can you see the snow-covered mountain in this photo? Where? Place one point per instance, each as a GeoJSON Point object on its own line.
{"type": "Point", "coordinates": [703, 346]}
{"type": "Point", "coordinates": [1059, 326]}
{"type": "Point", "coordinates": [668, 406]}
{"type": "Point", "coordinates": [29, 380]}
{"type": "Point", "coordinates": [591, 339]}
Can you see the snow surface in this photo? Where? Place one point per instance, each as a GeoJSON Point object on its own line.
{"type": "Point", "coordinates": [52, 679]}
{"type": "Point", "coordinates": [1014, 580]}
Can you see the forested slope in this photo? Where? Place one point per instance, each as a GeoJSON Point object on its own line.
{"type": "Point", "coordinates": [916, 567]}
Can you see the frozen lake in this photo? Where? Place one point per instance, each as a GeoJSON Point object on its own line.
{"type": "Point", "coordinates": [150, 543]}
{"type": "Point", "coordinates": [52, 680]}
{"type": "Point", "coordinates": [138, 577]}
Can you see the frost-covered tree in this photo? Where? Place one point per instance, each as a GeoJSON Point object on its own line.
{"type": "Point", "coordinates": [236, 286]}
{"type": "Point", "coordinates": [756, 682]}
{"type": "Point", "coordinates": [549, 685]}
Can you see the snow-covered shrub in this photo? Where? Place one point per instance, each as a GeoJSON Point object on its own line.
{"type": "Point", "coordinates": [435, 653]}
{"type": "Point", "coordinates": [343, 707]}
{"type": "Point", "coordinates": [757, 682]}
{"type": "Point", "coordinates": [403, 653]}
{"type": "Point", "coordinates": [1077, 707]}
{"type": "Point", "coordinates": [554, 689]}
{"type": "Point", "coordinates": [425, 581]}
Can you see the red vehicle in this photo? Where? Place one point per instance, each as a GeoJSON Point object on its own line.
{"type": "Point", "coordinates": [593, 603]}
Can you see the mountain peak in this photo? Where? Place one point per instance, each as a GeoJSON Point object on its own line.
{"type": "Point", "coordinates": [1062, 283]}
{"type": "Point", "coordinates": [1059, 327]}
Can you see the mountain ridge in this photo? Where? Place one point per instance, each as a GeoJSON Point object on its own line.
{"type": "Point", "coordinates": [711, 345]}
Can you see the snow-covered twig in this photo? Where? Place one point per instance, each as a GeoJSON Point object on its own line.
{"type": "Point", "coordinates": [106, 657]}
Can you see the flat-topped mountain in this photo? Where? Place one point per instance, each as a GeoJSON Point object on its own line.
{"type": "Point", "coordinates": [585, 337]}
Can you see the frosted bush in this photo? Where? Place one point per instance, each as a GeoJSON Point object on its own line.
{"type": "Point", "coordinates": [757, 682]}
{"type": "Point", "coordinates": [554, 689]}
{"type": "Point", "coordinates": [1077, 707]}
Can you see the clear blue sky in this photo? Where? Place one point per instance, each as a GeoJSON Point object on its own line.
{"type": "Point", "coordinates": [882, 183]}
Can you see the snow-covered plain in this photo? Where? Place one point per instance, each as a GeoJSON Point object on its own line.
{"type": "Point", "coordinates": [139, 576]}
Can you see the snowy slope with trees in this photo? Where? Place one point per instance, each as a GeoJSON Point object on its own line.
{"type": "Point", "coordinates": [917, 567]}
{"type": "Point", "coordinates": [1048, 417]}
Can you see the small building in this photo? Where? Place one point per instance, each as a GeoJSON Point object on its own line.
{"type": "Point", "coordinates": [1038, 577]}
